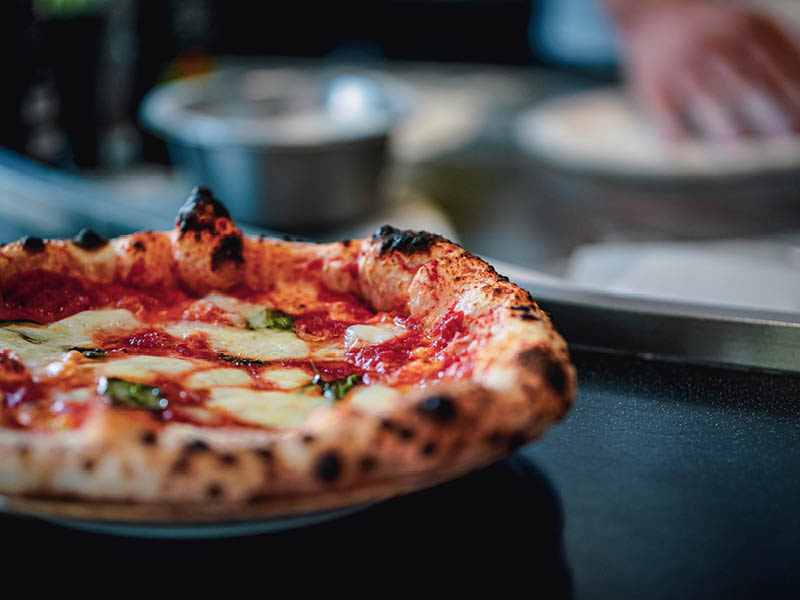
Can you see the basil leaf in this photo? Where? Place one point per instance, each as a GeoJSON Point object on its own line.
{"type": "Point", "coordinates": [19, 322]}
{"type": "Point", "coordinates": [132, 395]}
{"type": "Point", "coordinates": [93, 353]}
{"type": "Point", "coordinates": [267, 318]}
{"type": "Point", "coordinates": [25, 335]}
{"type": "Point", "coordinates": [247, 362]}
{"type": "Point", "coordinates": [336, 390]}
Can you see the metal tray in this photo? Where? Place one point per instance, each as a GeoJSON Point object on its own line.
{"type": "Point", "coordinates": [689, 332]}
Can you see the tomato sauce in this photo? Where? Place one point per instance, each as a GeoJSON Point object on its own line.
{"type": "Point", "coordinates": [447, 329]}
{"type": "Point", "coordinates": [386, 357]}
{"type": "Point", "coordinates": [44, 296]}
{"type": "Point", "coordinates": [319, 326]}
{"type": "Point", "coordinates": [355, 307]}
{"type": "Point", "coordinates": [157, 342]}
{"type": "Point", "coordinates": [25, 406]}
{"type": "Point", "coordinates": [352, 269]}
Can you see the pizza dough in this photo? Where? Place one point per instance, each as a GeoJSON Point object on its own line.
{"type": "Point", "coordinates": [207, 367]}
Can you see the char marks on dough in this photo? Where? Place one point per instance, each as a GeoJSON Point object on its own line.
{"type": "Point", "coordinates": [405, 241]}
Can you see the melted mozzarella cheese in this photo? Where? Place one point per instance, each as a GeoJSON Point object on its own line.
{"type": "Point", "coordinates": [265, 344]}
{"type": "Point", "coordinates": [269, 409]}
{"type": "Point", "coordinates": [78, 328]}
{"type": "Point", "coordinates": [33, 355]}
{"type": "Point", "coordinates": [41, 345]}
{"type": "Point", "coordinates": [144, 367]}
{"type": "Point", "coordinates": [356, 335]}
{"type": "Point", "coordinates": [333, 351]}
{"type": "Point", "coordinates": [217, 377]}
{"type": "Point", "coordinates": [234, 309]}
{"type": "Point", "coordinates": [74, 395]}
{"type": "Point", "coordinates": [287, 379]}
{"type": "Point", "coordinates": [373, 398]}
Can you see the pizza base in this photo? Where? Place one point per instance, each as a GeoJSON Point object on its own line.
{"type": "Point", "coordinates": [131, 469]}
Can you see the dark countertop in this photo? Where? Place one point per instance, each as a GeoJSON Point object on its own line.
{"type": "Point", "coordinates": [678, 481]}
{"type": "Point", "coordinates": [665, 481]}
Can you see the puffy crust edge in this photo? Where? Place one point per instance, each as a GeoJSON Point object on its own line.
{"type": "Point", "coordinates": [523, 380]}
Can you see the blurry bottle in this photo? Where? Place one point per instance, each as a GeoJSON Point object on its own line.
{"type": "Point", "coordinates": [72, 39]}
{"type": "Point", "coordinates": [20, 46]}
{"type": "Point", "coordinates": [173, 39]}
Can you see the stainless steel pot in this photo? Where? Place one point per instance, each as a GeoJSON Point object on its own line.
{"type": "Point", "coordinates": [284, 148]}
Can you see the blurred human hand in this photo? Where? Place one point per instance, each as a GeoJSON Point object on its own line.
{"type": "Point", "coordinates": [716, 70]}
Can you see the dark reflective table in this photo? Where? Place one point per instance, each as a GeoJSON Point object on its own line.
{"type": "Point", "coordinates": [665, 481]}
{"type": "Point", "coordinates": [505, 519]}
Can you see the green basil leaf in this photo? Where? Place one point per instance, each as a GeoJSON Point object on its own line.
{"type": "Point", "coordinates": [25, 335]}
{"type": "Point", "coordinates": [132, 395]}
{"type": "Point", "coordinates": [19, 322]}
{"type": "Point", "coordinates": [93, 353]}
{"type": "Point", "coordinates": [337, 389]}
{"type": "Point", "coordinates": [267, 318]}
{"type": "Point", "coordinates": [247, 362]}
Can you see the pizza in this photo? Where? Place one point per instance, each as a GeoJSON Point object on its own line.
{"type": "Point", "coordinates": [207, 368]}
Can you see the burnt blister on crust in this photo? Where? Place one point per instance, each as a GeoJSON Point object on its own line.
{"type": "Point", "coordinates": [540, 361]}
{"type": "Point", "coordinates": [511, 441]}
{"type": "Point", "coordinates": [439, 408]}
{"type": "Point", "coordinates": [195, 446]}
{"type": "Point", "coordinates": [328, 466]}
{"type": "Point", "coordinates": [200, 211]}
{"type": "Point", "coordinates": [404, 433]}
{"type": "Point", "coordinates": [227, 459]}
{"type": "Point", "coordinates": [526, 312]}
{"type": "Point", "coordinates": [214, 491]}
{"type": "Point", "coordinates": [405, 241]}
{"type": "Point", "coordinates": [32, 244]}
{"type": "Point", "coordinates": [428, 448]}
{"type": "Point", "coordinates": [228, 250]}
{"type": "Point", "coordinates": [286, 237]}
{"type": "Point", "coordinates": [264, 453]}
{"type": "Point", "coordinates": [148, 438]}
{"type": "Point", "coordinates": [530, 317]}
{"type": "Point", "coordinates": [88, 239]}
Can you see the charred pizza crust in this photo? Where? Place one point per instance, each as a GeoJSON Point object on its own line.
{"type": "Point", "coordinates": [522, 380]}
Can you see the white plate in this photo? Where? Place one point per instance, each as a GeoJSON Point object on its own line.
{"type": "Point", "coordinates": [204, 530]}
{"type": "Point", "coordinates": [602, 131]}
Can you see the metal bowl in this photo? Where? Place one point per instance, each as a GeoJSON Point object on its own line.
{"type": "Point", "coordinates": [284, 148]}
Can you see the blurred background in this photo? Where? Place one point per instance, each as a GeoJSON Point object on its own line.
{"type": "Point", "coordinates": [644, 148]}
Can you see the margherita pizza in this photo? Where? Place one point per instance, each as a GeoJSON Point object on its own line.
{"type": "Point", "coordinates": [207, 368]}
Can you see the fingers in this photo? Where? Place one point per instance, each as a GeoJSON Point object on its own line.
{"type": "Point", "coordinates": [784, 76]}
{"type": "Point", "coordinates": [721, 73]}
{"type": "Point", "coordinates": [726, 95]}
{"type": "Point", "coordinates": [663, 108]}
{"type": "Point", "coordinates": [754, 92]}
{"type": "Point", "coordinates": [707, 106]}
